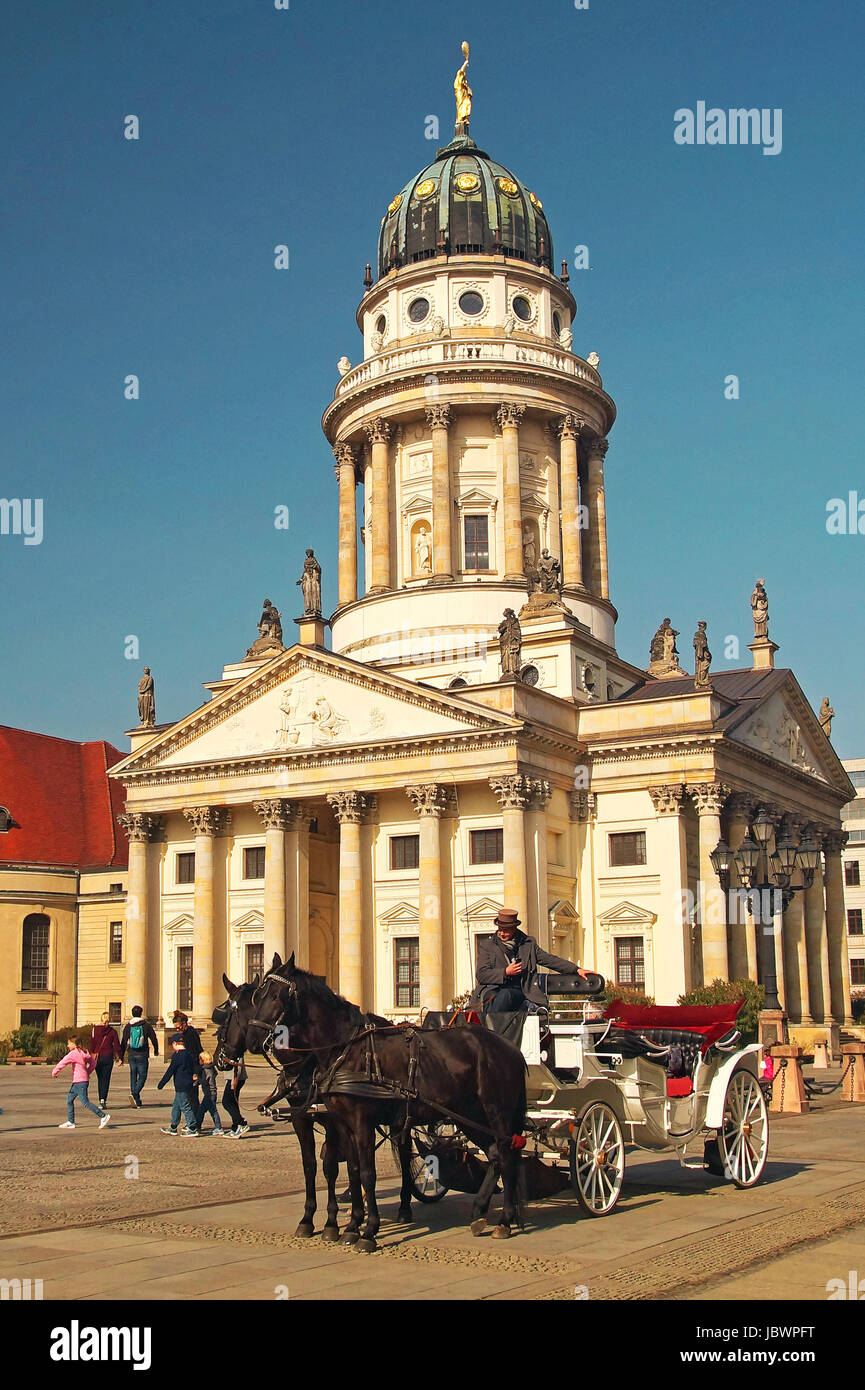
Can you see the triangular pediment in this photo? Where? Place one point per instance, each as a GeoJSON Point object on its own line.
{"type": "Point", "coordinates": [627, 914]}
{"type": "Point", "coordinates": [786, 729]}
{"type": "Point", "coordinates": [179, 926]}
{"type": "Point", "coordinates": [307, 701]}
{"type": "Point", "coordinates": [248, 921]}
{"type": "Point", "coordinates": [477, 498]}
{"type": "Point", "coordinates": [485, 909]}
{"type": "Point", "coordinates": [403, 915]}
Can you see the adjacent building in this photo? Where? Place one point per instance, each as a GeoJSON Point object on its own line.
{"type": "Point", "coordinates": [854, 872]}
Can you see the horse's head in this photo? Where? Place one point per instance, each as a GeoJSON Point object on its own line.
{"type": "Point", "coordinates": [275, 1003]}
{"type": "Point", "coordinates": [234, 1018]}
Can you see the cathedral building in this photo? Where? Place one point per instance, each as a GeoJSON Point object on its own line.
{"type": "Point", "coordinates": [472, 737]}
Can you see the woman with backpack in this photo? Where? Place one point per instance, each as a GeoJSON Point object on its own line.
{"type": "Point", "coordinates": [138, 1037]}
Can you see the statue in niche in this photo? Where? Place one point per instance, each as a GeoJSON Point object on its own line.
{"type": "Point", "coordinates": [530, 551]}
{"type": "Point", "coordinates": [760, 610]}
{"type": "Point", "coordinates": [702, 658]}
{"type": "Point", "coordinates": [511, 643]}
{"type": "Point", "coordinates": [310, 584]}
{"type": "Point", "coordinates": [422, 552]}
{"type": "Point", "coordinates": [147, 701]}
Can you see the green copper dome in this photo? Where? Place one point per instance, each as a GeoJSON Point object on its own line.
{"type": "Point", "coordinates": [464, 204]}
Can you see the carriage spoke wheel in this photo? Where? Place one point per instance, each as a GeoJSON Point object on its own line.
{"type": "Point", "coordinates": [743, 1139]}
{"type": "Point", "coordinates": [425, 1185]}
{"type": "Point", "coordinates": [597, 1159]}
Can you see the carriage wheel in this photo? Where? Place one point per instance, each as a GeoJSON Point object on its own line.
{"type": "Point", "coordinates": [742, 1143]}
{"type": "Point", "coordinates": [425, 1187]}
{"type": "Point", "coordinates": [597, 1159]}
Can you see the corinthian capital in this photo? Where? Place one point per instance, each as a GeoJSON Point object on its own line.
{"type": "Point", "coordinates": [708, 797]}
{"type": "Point", "coordinates": [669, 799]}
{"type": "Point", "coordinates": [276, 813]}
{"type": "Point", "coordinates": [597, 447]}
{"type": "Point", "coordinates": [378, 430]}
{"type": "Point", "coordinates": [350, 808]}
{"type": "Point", "coordinates": [834, 842]}
{"type": "Point", "coordinates": [428, 799]}
{"type": "Point", "coordinates": [207, 820]}
{"type": "Point", "coordinates": [344, 455]}
{"type": "Point", "coordinates": [582, 806]}
{"type": "Point", "coordinates": [141, 826]}
{"type": "Point", "coordinates": [539, 794]}
{"type": "Point", "coordinates": [740, 806]}
{"type": "Point", "coordinates": [509, 415]}
{"type": "Point", "coordinates": [514, 792]}
{"type": "Point", "coordinates": [439, 417]}
{"type": "Point", "coordinates": [569, 426]}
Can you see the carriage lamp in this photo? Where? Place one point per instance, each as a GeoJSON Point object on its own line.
{"type": "Point", "coordinates": [807, 858]}
{"type": "Point", "coordinates": [763, 827]}
{"type": "Point", "coordinates": [784, 861]}
{"type": "Point", "coordinates": [747, 857]}
{"type": "Point", "coordinates": [722, 861]}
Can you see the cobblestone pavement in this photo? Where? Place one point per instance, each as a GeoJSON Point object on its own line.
{"type": "Point", "coordinates": [214, 1218]}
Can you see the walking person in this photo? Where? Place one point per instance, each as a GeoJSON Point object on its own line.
{"type": "Point", "coordinates": [105, 1046]}
{"type": "Point", "coordinates": [135, 1044]}
{"type": "Point", "coordinates": [82, 1064]}
{"type": "Point", "coordinates": [181, 1069]}
{"type": "Point", "coordinates": [207, 1082]}
{"type": "Point", "coordinates": [230, 1097]}
{"type": "Point", "coordinates": [190, 1037]}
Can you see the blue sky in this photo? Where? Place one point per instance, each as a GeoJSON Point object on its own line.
{"type": "Point", "coordinates": [261, 127]}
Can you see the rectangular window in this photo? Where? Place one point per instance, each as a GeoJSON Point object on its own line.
{"type": "Point", "coordinates": [185, 868]}
{"type": "Point", "coordinates": [115, 887]}
{"type": "Point", "coordinates": [630, 966]}
{"type": "Point", "coordinates": [115, 1012]}
{"type": "Point", "coordinates": [626, 849]}
{"type": "Point", "coordinates": [254, 961]}
{"type": "Point", "coordinates": [854, 921]}
{"type": "Point", "coordinates": [486, 846]}
{"type": "Point", "coordinates": [857, 777]}
{"type": "Point", "coordinates": [184, 979]}
{"type": "Point", "coordinates": [115, 950]}
{"type": "Point", "coordinates": [851, 873]}
{"type": "Point", "coordinates": [407, 972]}
{"type": "Point", "coordinates": [36, 939]}
{"type": "Point", "coordinates": [854, 810]}
{"type": "Point", "coordinates": [857, 971]}
{"type": "Point", "coordinates": [34, 1018]}
{"type": "Point", "coordinates": [253, 862]}
{"type": "Point", "coordinates": [404, 851]}
{"type": "Point", "coordinates": [477, 538]}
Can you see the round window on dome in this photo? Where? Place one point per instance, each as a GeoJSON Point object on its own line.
{"type": "Point", "coordinates": [522, 308]}
{"type": "Point", "coordinates": [557, 323]}
{"type": "Point", "coordinates": [380, 323]}
{"type": "Point", "coordinates": [418, 309]}
{"type": "Point", "coordinates": [471, 303]}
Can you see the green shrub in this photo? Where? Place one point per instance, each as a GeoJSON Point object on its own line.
{"type": "Point", "coordinates": [857, 1004]}
{"type": "Point", "coordinates": [5, 1049]}
{"type": "Point", "coordinates": [626, 994]}
{"type": "Point", "coordinates": [727, 992]}
{"type": "Point", "coordinates": [55, 1050]}
{"type": "Point", "coordinates": [71, 1030]}
{"type": "Point", "coordinates": [28, 1039]}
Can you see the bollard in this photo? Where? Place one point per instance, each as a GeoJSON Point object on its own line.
{"type": "Point", "coordinates": [788, 1088]}
{"type": "Point", "coordinates": [853, 1056]}
{"type": "Point", "coordinates": [821, 1056]}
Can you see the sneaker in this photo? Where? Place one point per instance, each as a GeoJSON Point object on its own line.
{"type": "Point", "coordinates": [104, 1121]}
{"type": "Point", "coordinates": [233, 1134]}
{"type": "Point", "coordinates": [218, 1132]}
{"type": "Point", "coordinates": [244, 1128]}
{"type": "Point", "coordinates": [67, 1124]}
{"type": "Point", "coordinates": [103, 1104]}
{"type": "Point", "coordinates": [165, 1130]}
{"type": "Point", "coordinates": [191, 1134]}
{"type": "Point", "coordinates": [133, 1102]}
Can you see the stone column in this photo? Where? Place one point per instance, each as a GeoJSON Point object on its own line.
{"type": "Point", "coordinates": [508, 417]}
{"type": "Point", "coordinates": [709, 797]}
{"type": "Point", "coordinates": [836, 926]}
{"type": "Point", "coordinates": [817, 946]}
{"type": "Point", "coordinates": [275, 815]}
{"type": "Point", "coordinates": [513, 793]}
{"type": "Point", "coordinates": [438, 418]}
{"type": "Point", "coordinates": [743, 930]}
{"type": "Point", "coordinates": [538, 894]}
{"type": "Point", "coordinates": [298, 883]}
{"type": "Point", "coordinates": [572, 536]}
{"type": "Point", "coordinates": [346, 475]}
{"type": "Point", "coordinates": [141, 828]}
{"type": "Point", "coordinates": [796, 960]}
{"type": "Point", "coordinates": [379, 432]}
{"type": "Point", "coordinates": [673, 954]}
{"type": "Point", "coordinates": [207, 822]}
{"type": "Point", "coordinates": [349, 809]}
{"type": "Point", "coordinates": [776, 931]}
{"type": "Point", "coordinates": [429, 803]}
{"type": "Point", "coordinates": [598, 517]}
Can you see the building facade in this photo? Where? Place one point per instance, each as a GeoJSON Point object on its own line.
{"type": "Point", "coordinates": [854, 872]}
{"type": "Point", "coordinates": [473, 738]}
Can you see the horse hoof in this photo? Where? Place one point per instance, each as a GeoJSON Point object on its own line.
{"type": "Point", "coordinates": [350, 1238]}
{"type": "Point", "coordinates": [502, 1233]}
{"type": "Point", "coordinates": [404, 1215]}
{"type": "Point", "coordinates": [305, 1228]}
{"type": "Point", "coordinates": [330, 1233]}
{"type": "Point", "coordinates": [367, 1246]}
{"type": "Point", "coordinates": [478, 1227]}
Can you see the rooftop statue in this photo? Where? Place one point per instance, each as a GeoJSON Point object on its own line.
{"type": "Point", "coordinates": [146, 700]}
{"type": "Point", "coordinates": [463, 94]}
{"type": "Point", "coordinates": [310, 583]}
{"type": "Point", "coordinates": [702, 658]}
{"type": "Point", "coordinates": [827, 714]}
{"type": "Point", "coordinates": [760, 610]}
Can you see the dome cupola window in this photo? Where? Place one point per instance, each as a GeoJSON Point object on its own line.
{"type": "Point", "coordinates": [419, 309]}
{"type": "Point", "coordinates": [471, 303]}
{"type": "Point", "coordinates": [523, 308]}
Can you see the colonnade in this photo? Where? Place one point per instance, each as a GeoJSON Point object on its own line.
{"type": "Point", "coordinates": [581, 494]}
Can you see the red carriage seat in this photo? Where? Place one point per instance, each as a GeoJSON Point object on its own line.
{"type": "Point", "coordinates": [707, 1021]}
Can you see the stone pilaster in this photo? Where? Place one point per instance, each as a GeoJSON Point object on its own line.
{"type": "Point", "coordinates": [350, 809]}
{"type": "Point", "coordinates": [347, 563]}
{"type": "Point", "coordinates": [275, 816]}
{"type": "Point", "coordinates": [429, 802]}
{"type": "Point", "coordinates": [597, 450]}
{"type": "Point", "coordinates": [509, 416]}
{"type": "Point", "coordinates": [743, 931]}
{"type": "Point", "coordinates": [379, 432]}
{"type": "Point", "coordinates": [796, 962]}
{"type": "Point", "coordinates": [141, 828]}
{"type": "Point", "coordinates": [514, 793]}
{"type": "Point", "coordinates": [709, 798]}
{"type": "Point", "coordinates": [439, 418]}
{"type": "Point", "coordinates": [674, 951]}
{"type": "Point", "coordinates": [572, 537]}
{"type": "Point", "coordinates": [836, 926]}
{"type": "Point", "coordinates": [536, 847]}
{"type": "Point", "coordinates": [817, 945]}
{"type": "Point", "coordinates": [207, 822]}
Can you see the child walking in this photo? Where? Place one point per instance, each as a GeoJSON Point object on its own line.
{"type": "Point", "coordinates": [82, 1064]}
{"type": "Point", "coordinates": [207, 1082]}
{"type": "Point", "coordinates": [182, 1069]}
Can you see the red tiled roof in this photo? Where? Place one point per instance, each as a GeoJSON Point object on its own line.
{"type": "Point", "coordinates": [62, 802]}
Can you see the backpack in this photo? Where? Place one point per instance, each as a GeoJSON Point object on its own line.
{"type": "Point", "coordinates": [137, 1038]}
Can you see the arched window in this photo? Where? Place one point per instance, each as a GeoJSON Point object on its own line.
{"type": "Point", "coordinates": [35, 941]}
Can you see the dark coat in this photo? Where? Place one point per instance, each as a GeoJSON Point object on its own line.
{"type": "Point", "coordinates": [182, 1069]}
{"type": "Point", "coordinates": [493, 958]}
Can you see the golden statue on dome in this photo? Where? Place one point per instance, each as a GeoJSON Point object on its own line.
{"type": "Point", "coordinates": [463, 94]}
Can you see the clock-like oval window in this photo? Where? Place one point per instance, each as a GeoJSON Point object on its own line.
{"type": "Point", "coordinates": [522, 308]}
{"type": "Point", "coordinates": [557, 323]}
{"type": "Point", "coordinates": [380, 323]}
{"type": "Point", "coordinates": [471, 303]}
{"type": "Point", "coordinates": [418, 309]}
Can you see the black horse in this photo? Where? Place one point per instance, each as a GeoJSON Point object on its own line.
{"type": "Point", "coordinates": [295, 1080]}
{"type": "Point", "coordinates": [468, 1074]}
